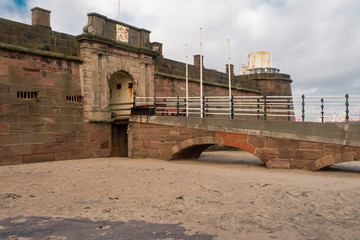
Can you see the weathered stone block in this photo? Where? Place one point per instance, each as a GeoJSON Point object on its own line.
{"type": "Point", "coordinates": [282, 143]}
{"type": "Point", "coordinates": [175, 149]}
{"type": "Point", "coordinates": [5, 88]}
{"type": "Point", "coordinates": [37, 148]}
{"type": "Point", "coordinates": [21, 149]}
{"type": "Point", "coordinates": [333, 149]}
{"type": "Point", "coordinates": [311, 154]}
{"type": "Point", "coordinates": [31, 72]}
{"type": "Point", "coordinates": [37, 137]}
{"type": "Point", "coordinates": [4, 128]}
{"type": "Point", "coordinates": [260, 154]}
{"type": "Point", "coordinates": [50, 127]}
{"type": "Point", "coordinates": [278, 164]}
{"type": "Point", "coordinates": [289, 154]}
{"type": "Point", "coordinates": [39, 158]}
{"type": "Point", "coordinates": [11, 160]}
{"type": "Point", "coordinates": [9, 139]}
{"type": "Point", "coordinates": [72, 155]}
{"type": "Point", "coordinates": [4, 69]}
{"type": "Point", "coordinates": [27, 128]}
{"type": "Point", "coordinates": [5, 151]}
{"type": "Point", "coordinates": [311, 145]}
{"type": "Point", "coordinates": [297, 164]}
{"type": "Point", "coordinates": [256, 141]}
{"type": "Point", "coordinates": [54, 147]}
{"type": "Point", "coordinates": [272, 153]}
{"type": "Point", "coordinates": [325, 161]}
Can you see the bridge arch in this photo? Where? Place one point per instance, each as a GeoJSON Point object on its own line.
{"type": "Point", "coordinates": [192, 148]}
{"type": "Point", "coordinates": [329, 160]}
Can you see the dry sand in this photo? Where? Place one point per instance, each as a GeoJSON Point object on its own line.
{"type": "Point", "coordinates": [226, 200]}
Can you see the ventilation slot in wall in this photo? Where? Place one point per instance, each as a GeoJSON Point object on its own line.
{"type": "Point", "coordinates": [74, 99]}
{"type": "Point", "coordinates": [28, 95]}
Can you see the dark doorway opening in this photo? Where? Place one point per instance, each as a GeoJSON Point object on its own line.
{"type": "Point", "coordinates": [119, 137]}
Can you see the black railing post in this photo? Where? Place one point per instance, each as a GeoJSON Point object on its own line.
{"type": "Point", "coordinates": [303, 108]}
{"type": "Point", "coordinates": [232, 107]}
{"type": "Point", "coordinates": [154, 105]}
{"type": "Point", "coordinates": [265, 110]}
{"type": "Point", "coordinates": [258, 109]}
{"type": "Point", "coordinates": [204, 107]}
{"type": "Point", "coordinates": [322, 110]}
{"type": "Point", "coordinates": [178, 106]}
{"type": "Point", "coordinates": [288, 106]}
{"type": "Point", "coordinates": [186, 109]}
{"type": "Point", "coordinates": [347, 107]}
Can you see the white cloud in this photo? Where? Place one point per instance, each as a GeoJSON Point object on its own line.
{"type": "Point", "coordinates": [317, 42]}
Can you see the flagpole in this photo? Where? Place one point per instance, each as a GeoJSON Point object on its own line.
{"type": "Point", "coordinates": [201, 76]}
{"type": "Point", "coordinates": [187, 82]}
{"type": "Point", "coordinates": [230, 95]}
{"type": "Point", "coordinates": [119, 9]}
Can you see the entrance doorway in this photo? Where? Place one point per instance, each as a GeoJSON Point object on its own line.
{"type": "Point", "coordinates": [119, 140]}
{"type": "Point", "coordinates": [121, 95]}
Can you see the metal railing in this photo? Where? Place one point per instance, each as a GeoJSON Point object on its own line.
{"type": "Point", "coordinates": [284, 108]}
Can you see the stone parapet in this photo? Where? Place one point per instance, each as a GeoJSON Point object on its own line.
{"type": "Point", "coordinates": [37, 38]}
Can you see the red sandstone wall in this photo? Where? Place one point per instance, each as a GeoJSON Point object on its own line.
{"type": "Point", "coordinates": [166, 87]}
{"type": "Point", "coordinates": [49, 127]}
{"type": "Point", "coordinates": [156, 141]}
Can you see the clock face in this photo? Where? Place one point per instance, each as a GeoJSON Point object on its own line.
{"type": "Point", "coordinates": [122, 33]}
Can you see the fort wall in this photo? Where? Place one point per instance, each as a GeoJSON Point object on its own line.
{"type": "Point", "coordinates": [169, 75]}
{"type": "Point", "coordinates": [41, 110]}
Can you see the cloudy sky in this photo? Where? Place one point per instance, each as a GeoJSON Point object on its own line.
{"type": "Point", "coordinates": [317, 42]}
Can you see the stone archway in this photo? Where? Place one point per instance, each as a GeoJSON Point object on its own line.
{"type": "Point", "coordinates": [120, 94]}
{"type": "Point", "coordinates": [192, 148]}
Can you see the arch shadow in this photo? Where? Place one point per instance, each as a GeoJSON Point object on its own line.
{"type": "Point", "coordinates": [193, 148]}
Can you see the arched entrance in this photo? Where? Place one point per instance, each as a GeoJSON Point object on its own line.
{"type": "Point", "coordinates": [121, 95]}
{"type": "Point", "coordinates": [120, 103]}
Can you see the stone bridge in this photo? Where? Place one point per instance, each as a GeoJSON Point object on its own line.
{"type": "Point", "coordinates": [296, 145]}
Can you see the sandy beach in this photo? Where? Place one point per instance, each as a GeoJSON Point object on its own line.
{"type": "Point", "coordinates": [217, 197]}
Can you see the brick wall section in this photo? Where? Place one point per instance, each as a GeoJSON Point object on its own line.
{"type": "Point", "coordinates": [270, 84]}
{"type": "Point", "coordinates": [165, 87]}
{"type": "Point", "coordinates": [166, 142]}
{"type": "Point", "coordinates": [174, 68]}
{"type": "Point", "coordinates": [47, 128]}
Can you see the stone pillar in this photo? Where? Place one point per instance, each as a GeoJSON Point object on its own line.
{"type": "Point", "coordinates": [231, 69]}
{"type": "Point", "coordinates": [157, 47]}
{"type": "Point", "coordinates": [149, 81]}
{"type": "Point", "coordinates": [197, 60]}
{"type": "Point", "coordinates": [41, 17]}
{"type": "Point", "coordinates": [104, 83]}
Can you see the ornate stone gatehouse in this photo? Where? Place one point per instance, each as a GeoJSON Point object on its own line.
{"type": "Point", "coordinates": [118, 64]}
